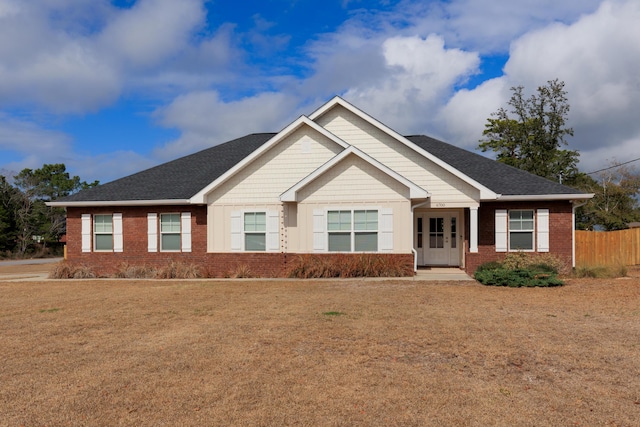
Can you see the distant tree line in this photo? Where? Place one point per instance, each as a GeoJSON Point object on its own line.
{"type": "Point", "coordinates": [531, 134]}
{"type": "Point", "coordinates": [28, 227]}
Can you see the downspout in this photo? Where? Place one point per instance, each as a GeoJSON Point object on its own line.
{"type": "Point", "coordinates": [414, 250]}
{"type": "Point", "coordinates": [573, 231]}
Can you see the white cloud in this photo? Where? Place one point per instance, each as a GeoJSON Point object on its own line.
{"type": "Point", "coordinates": [207, 120]}
{"type": "Point", "coordinates": [36, 144]}
{"type": "Point", "coordinates": [152, 30]}
{"type": "Point", "coordinates": [597, 57]}
{"type": "Point", "coordinates": [420, 74]}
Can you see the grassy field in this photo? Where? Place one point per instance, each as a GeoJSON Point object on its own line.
{"type": "Point", "coordinates": [344, 352]}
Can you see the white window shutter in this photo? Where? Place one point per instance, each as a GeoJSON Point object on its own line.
{"type": "Point", "coordinates": [86, 232]}
{"type": "Point", "coordinates": [543, 230]}
{"type": "Point", "coordinates": [152, 232]}
{"type": "Point", "coordinates": [185, 231]}
{"type": "Point", "coordinates": [273, 231]}
{"type": "Point", "coordinates": [501, 230]}
{"type": "Point", "coordinates": [319, 224]}
{"type": "Point", "coordinates": [385, 231]}
{"type": "Point", "coordinates": [118, 245]}
{"type": "Point", "coordinates": [237, 227]}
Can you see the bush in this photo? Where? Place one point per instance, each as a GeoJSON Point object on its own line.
{"type": "Point", "coordinates": [67, 270]}
{"type": "Point", "coordinates": [361, 265]}
{"type": "Point", "coordinates": [133, 271]}
{"type": "Point", "coordinates": [178, 270]}
{"type": "Point", "coordinates": [600, 271]}
{"type": "Point", "coordinates": [520, 270]}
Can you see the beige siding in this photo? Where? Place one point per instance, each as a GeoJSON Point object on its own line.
{"type": "Point", "coordinates": [353, 179]}
{"type": "Point", "coordinates": [219, 223]}
{"type": "Point", "coordinates": [277, 170]}
{"type": "Point", "coordinates": [443, 185]}
{"type": "Point", "coordinates": [351, 184]}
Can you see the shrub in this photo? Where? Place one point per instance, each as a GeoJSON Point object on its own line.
{"type": "Point", "coordinates": [68, 270]}
{"type": "Point", "coordinates": [178, 270]}
{"type": "Point", "coordinates": [516, 278]}
{"type": "Point", "coordinates": [348, 265]}
{"type": "Point", "coordinates": [133, 271]}
{"type": "Point", "coordinates": [241, 271]}
{"type": "Point", "coordinates": [600, 271]}
{"type": "Point", "coordinates": [520, 270]}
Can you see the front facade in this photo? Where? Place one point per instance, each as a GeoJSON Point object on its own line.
{"type": "Point", "coordinates": [337, 182]}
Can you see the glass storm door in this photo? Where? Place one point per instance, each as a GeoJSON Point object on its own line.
{"type": "Point", "coordinates": [437, 236]}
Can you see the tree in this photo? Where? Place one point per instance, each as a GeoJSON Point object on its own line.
{"type": "Point", "coordinates": [33, 217]}
{"type": "Point", "coordinates": [615, 203]}
{"type": "Point", "coordinates": [7, 216]}
{"type": "Point", "coordinates": [531, 135]}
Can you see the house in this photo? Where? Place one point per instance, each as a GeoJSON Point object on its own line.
{"type": "Point", "coordinates": [335, 182]}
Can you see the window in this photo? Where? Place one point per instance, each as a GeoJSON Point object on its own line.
{"type": "Point", "coordinates": [521, 229]}
{"type": "Point", "coordinates": [352, 231]}
{"type": "Point", "coordinates": [170, 232]}
{"type": "Point", "coordinates": [103, 232]}
{"type": "Point", "coordinates": [255, 231]}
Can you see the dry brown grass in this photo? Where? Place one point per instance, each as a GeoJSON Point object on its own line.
{"type": "Point", "coordinates": [344, 352]}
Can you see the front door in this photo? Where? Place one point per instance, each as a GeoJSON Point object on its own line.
{"type": "Point", "coordinates": [437, 238]}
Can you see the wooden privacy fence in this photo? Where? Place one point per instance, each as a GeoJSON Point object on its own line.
{"type": "Point", "coordinates": [608, 247]}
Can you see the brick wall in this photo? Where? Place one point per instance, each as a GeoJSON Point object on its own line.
{"type": "Point", "coordinates": [560, 231]}
{"type": "Point", "coordinates": [134, 224]}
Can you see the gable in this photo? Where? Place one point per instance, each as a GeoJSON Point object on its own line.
{"type": "Point", "coordinates": [277, 169]}
{"type": "Point", "coordinates": [353, 180]}
{"type": "Point", "coordinates": [442, 184]}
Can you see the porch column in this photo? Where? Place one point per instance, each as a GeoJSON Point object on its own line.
{"type": "Point", "coordinates": [473, 229]}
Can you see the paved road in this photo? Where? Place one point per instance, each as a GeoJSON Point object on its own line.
{"type": "Point", "coordinates": [30, 261]}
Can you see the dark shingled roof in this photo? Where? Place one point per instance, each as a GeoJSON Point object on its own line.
{"type": "Point", "coordinates": [178, 179]}
{"type": "Point", "coordinates": [182, 178]}
{"type": "Point", "coordinates": [498, 177]}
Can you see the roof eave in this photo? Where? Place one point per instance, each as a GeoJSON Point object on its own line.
{"type": "Point", "coordinates": [538, 197]}
{"type": "Point", "coordinates": [105, 203]}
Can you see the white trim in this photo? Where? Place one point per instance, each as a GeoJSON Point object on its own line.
{"type": "Point", "coordinates": [237, 231]}
{"type": "Point", "coordinates": [185, 231]}
{"type": "Point", "coordinates": [86, 232]}
{"type": "Point", "coordinates": [415, 191]}
{"type": "Point", "coordinates": [200, 197]}
{"type": "Point", "coordinates": [501, 220]}
{"type": "Point", "coordinates": [152, 232]}
{"type": "Point", "coordinates": [542, 222]}
{"type": "Point", "coordinates": [272, 237]}
{"type": "Point", "coordinates": [118, 244]}
{"type": "Point", "coordinates": [112, 203]}
{"type": "Point", "coordinates": [319, 227]}
{"type": "Point", "coordinates": [473, 230]}
{"type": "Point", "coordinates": [485, 193]}
{"type": "Point", "coordinates": [385, 230]}
{"type": "Point", "coordinates": [544, 197]}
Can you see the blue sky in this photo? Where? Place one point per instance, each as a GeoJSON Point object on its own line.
{"type": "Point", "coordinates": [113, 87]}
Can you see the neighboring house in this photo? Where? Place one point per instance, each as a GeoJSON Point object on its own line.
{"type": "Point", "coordinates": [335, 182]}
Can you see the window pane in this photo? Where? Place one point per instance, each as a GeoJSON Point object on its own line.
{"type": "Point", "coordinates": [419, 225]}
{"type": "Point", "coordinates": [255, 221]}
{"type": "Point", "coordinates": [340, 242]}
{"type": "Point", "coordinates": [366, 220]}
{"type": "Point", "coordinates": [339, 220]}
{"type": "Point", "coordinates": [170, 223]}
{"type": "Point", "coordinates": [255, 242]}
{"type": "Point", "coordinates": [104, 242]}
{"type": "Point", "coordinates": [367, 242]}
{"type": "Point", "coordinates": [521, 241]}
{"type": "Point", "coordinates": [170, 242]}
{"type": "Point", "coordinates": [103, 223]}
